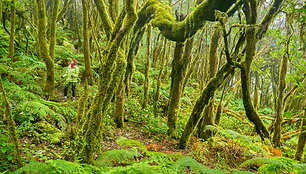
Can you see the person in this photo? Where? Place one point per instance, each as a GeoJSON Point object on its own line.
{"type": "Point", "coordinates": [71, 76]}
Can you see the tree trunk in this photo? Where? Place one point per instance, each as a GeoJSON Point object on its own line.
{"type": "Point", "coordinates": [109, 78]}
{"type": "Point", "coordinates": [207, 118]}
{"type": "Point", "coordinates": [113, 9]}
{"type": "Point", "coordinates": [180, 64]}
{"type": "Point", "coordinates": [302, 139]}
{"type": "Point", "coordinates": [53, 28]}
{"type": "Point", "coordinates": [202, 103]}
{"type": "Point", "coordinates": [10, 123]}
{"type": "Point", "coordinates": [147, 69]}
{"type": "Point", "coordinates": [256, 91]}
{"type": "Point", "coordinates": [163, 58]}
{"type": "Point", "coordinates": [12, 32]}
{"type": "Point", "coordinates": [280, 97]}
{"type": "Point", "coordinates": [251, 15]}
{"type": "Point", "coordinates": [88, 74]}
{"type": "Point", "coordinates": [119, 106]}
{"type": "Point", "coordinates": [43, 48]}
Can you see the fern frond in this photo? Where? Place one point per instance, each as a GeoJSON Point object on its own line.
{"type": "Point", "coordinates": [112, 157]}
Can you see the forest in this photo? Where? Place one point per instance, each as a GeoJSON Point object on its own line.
{"type": "Point", "coordinates": [152, 86]}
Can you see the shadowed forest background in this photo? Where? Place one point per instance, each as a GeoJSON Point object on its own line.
{"type": "Point", "coordinates": [165, 86]}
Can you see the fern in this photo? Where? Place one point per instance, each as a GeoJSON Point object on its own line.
{"type": "Point", "coordinates": [276, 165]}
{"type": "Point", "coordinates": [243, 172]}
{"type": "Point", "coordinates": [109, 158]}
{"type": "Point", "coordinates": [56, 167]}
{"type": "Point", "coordinates": [35, 168]}
{"type": "Point", "coordinates": [185, 163]}
{"type": "Point", "coordinates": [67, 167]}
{"type": "Point", "coordinates": [140, 168]}
{"type": "Point", "coordinates": [124, 142]}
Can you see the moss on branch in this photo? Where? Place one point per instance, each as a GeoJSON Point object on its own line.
{"type": "Point", "coordinates": [180, 31]}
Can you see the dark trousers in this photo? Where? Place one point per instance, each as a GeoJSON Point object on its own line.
{"type": "Point", "coordinates": [73, 85]}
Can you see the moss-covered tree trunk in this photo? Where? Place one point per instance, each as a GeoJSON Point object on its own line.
{"type": "Point", "coordinates": [53, 28]}
{"type": "Point", "coordinates": [113, 9]}
{"type": "Point", "coordinates": [10, 123]}
{"type": "Point", "coordinates": [163, 58]}
{"type": "Point", "coordinates": [43, 48]}
{"type": "Point", "coordinates": [64, 9]}
{"type": "Point", "coordinates": [180, 65]}
{"type": "Point", "coordinates": [130, 68]}
{"type": "Point", "coordinates": [207, 118]}
{"type": "Point", "coordinates": [12, 30]}
{"type": "Point", "coordinates": [256, 90]}
{"type": "Point", "coordinates": [302, 139]}
{"type": "Point", "coordinates": [109, 78]}
{"type": "Point", "coordinates": [147, 69]}
{"type": "Point", "coordinates": [119, 106]}
{"type": "Point", "coordinates": [88, 74]}
{"type": "Point", "coordinates": [280, 97]}
{"type": "Point", "coordinates": [202, 102]}
{"type": "Point", "coordinates": [250, 10]}
{"type": "Point", "coordinates": [105, 18]}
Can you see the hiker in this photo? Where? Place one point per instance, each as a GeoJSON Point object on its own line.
{"type": "Point", "coordinates": [71, 76]}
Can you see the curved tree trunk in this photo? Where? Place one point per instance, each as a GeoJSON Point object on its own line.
{"type": "Point", "coordinates": [202, 103]}
{"type": "Point", "coordinates": [251, 16]}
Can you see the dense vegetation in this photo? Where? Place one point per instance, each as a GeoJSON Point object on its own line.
{"type": "Point", "coordinates": [187, 86]}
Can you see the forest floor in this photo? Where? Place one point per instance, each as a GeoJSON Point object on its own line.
{"type": "Point", "coordinates": [209, 156]}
